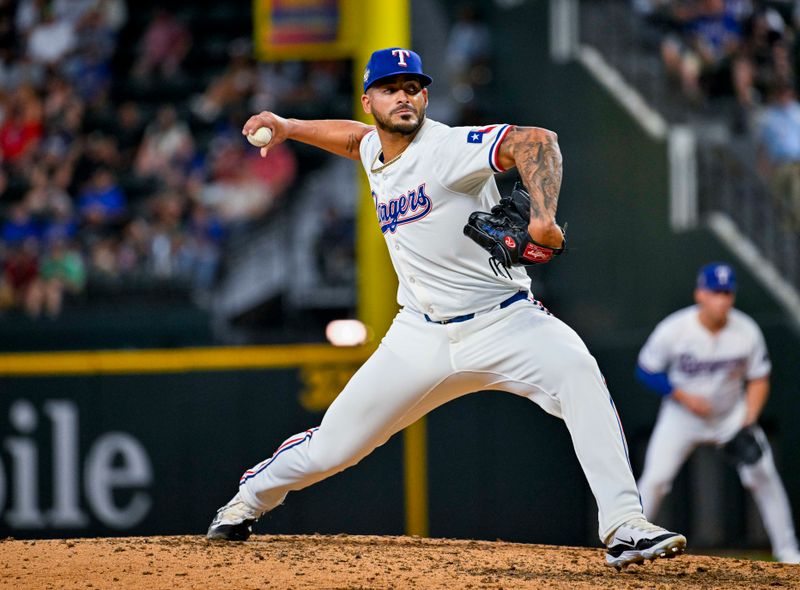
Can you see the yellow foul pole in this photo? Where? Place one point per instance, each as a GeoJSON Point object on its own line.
{"type": "Point", "coordinates": [385, 24]}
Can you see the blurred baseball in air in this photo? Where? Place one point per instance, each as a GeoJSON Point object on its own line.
{"type": "Point", "coordinates": [260, 137]}
{"type": "Point", "coordinates": [346, 333]}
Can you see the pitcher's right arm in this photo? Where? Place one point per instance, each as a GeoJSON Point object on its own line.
{"type": "Point", "coordinates": [338, 136]}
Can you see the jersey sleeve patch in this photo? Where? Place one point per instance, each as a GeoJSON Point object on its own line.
{"type": "Point", "coordinates": [476, 135]}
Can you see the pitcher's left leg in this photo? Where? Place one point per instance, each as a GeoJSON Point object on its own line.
{"type": "Point", "coordinates": [556, 362]}
{"type": "Point", "coordinates": [542, 353]}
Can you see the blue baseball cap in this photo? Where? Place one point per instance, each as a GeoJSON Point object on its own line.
{"type": "Point", "coordinates": [717, 276]}
{"type": "Point", "coordinates": [393, 62]}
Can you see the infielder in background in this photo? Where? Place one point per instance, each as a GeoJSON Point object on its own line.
{"type": "Point", "coordinates": [467, 320]}
{"type": "Point", "coordinates": [710, 363]}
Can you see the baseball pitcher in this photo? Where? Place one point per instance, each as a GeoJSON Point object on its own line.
{"type": "Point", "coordinates": [467, 320]}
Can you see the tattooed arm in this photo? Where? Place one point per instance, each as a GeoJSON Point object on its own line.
{"type": "Point", "coordinates": [340, 137]}
{"type": "Point", "coordinates": [537, 157]}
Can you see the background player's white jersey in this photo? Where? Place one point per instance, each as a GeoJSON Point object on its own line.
{"type": "Point", "coordinates": [423, 201]}
{"type": "Point", "coordinates": [715, 366]}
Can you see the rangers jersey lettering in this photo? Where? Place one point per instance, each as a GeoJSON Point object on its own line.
{"type": "Point", "coordinates": [408, 207]}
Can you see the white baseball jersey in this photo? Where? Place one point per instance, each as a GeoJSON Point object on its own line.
{"type": "Point", "coordinates": [715, 366]}
{"type": "Point", "coordinates": [423, 201]}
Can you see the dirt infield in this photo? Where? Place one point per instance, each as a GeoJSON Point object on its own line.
{"type": "Point", "coordinates": [341, 561]}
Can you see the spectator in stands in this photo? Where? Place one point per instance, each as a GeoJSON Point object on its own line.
{"type": "Point", "coordinates": [133, 251]}
{"type": "Point", "coordinates": [61, 271]}
{"type": "Point", "coordinates": [233, 86]}
{"type": "Point", "coordinates": [703, 59]}
{"type": "Point", "coordinates": [763, 57]}
{"type": "Point", "coordinates": [92, 75]}
{"type": "Point", "coordinates": [243, 186]}
{"type": "Point", "coordinates": [95, 35]}
{"type": "Point", "coordinates": [62, 145]}
{"type": "Point", "coordinates": [61, 223]}
{"type": "Point", "coordinates": [114, 14]}
{"type": "Point", "coordinates": [663, 24]}
{"type": "Point", "coordinates": [59, 93]}
{"type": "Point", "coordinates": [167, 145]}
{"type": "Point", "coordinates": [128, 129]}
{"type": "Point", "coordinates": [199, 258]}
{"type": "Point", "coordinates": [103, 263]}
{"type": "Point", "coordinates": [102, 204]}
{"type": "Point", "coordinates": [99, 151]}
{"type": "Point", "coordinates": [166, 236]}
{"type": "Point", "coordinates": [779, 147]}
{"type": "Point", "coordinates": [231, 192]}
{"type": "Point", "coordinates": [91, 68]}
{"type": "Point", "coordinates": [51, 40]}
{"type": "Point", "coordinates": [21, 283]}
{"type": "Point", "coordinates": [19, 226]}
{"type": "Point", "coordinates": [21, 130]}
{"type": "Point", "coordinates": [44, 196]}
{"type": "Point", "coordinates": [164, 46]}
{"type": "Point", "coordinates": [11, 74]}
{"type": "Point", "coordinates": [277, 171]}
{"type": "Point", "coordinates": [29, 13]}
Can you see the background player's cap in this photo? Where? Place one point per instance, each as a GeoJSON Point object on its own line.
{"type": "Point", "coordinates": [717, 276]}
{"type": "Point", "coordinates": [392, 62]}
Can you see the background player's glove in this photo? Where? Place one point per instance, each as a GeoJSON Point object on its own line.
{"type": "Point", "coordinates": [503, 233]}
{"type": "Point", "coordinates": [743, 448]}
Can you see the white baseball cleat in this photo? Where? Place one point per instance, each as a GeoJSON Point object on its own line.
{"type": "Point", "coordinates": [792, 557]}
{"type": "Point", "coordinates": [234, 521]}
{"type": "Point", "coordinates": [637, 540]}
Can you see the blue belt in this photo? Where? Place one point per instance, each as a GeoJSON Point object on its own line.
{"type": "Point", "coordinates": [519, 295]}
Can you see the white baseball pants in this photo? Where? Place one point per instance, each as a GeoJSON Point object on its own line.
{"type": "Point", "coordinates": [678, 432]}
{"type": "Point", "coordinates": [419, 366]}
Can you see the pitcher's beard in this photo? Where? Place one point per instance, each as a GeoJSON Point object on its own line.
{"type": "Point", "coordinates": [404, 127]}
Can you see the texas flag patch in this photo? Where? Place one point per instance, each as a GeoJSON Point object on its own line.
{"type": "Point", "coordinates": [476, 135]}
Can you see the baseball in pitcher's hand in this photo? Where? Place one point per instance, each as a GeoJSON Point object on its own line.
{"type": "Point", "coordinates": [277, 124]}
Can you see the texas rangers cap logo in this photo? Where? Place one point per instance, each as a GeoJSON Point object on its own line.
{"type": "Point", "coordinates": [401, 55]}
{"type": "Point", "coordinates": [717, 276]}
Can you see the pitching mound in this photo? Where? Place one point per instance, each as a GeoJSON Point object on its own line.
{"type": "Point", "coordinates": [343, 561]}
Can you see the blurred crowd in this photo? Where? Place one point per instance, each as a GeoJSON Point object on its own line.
{"type": "Point", "coordinates": [99, 189]}
{"type": "Point", "coordinates": [107, 180]}
{"type": "Point", "coordinates": [746, 51]}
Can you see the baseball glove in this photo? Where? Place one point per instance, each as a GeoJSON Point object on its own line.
{"type": "Point", "coordinates": [503, 232]}
{"type": "Point", "coordinates": [743, 448]}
